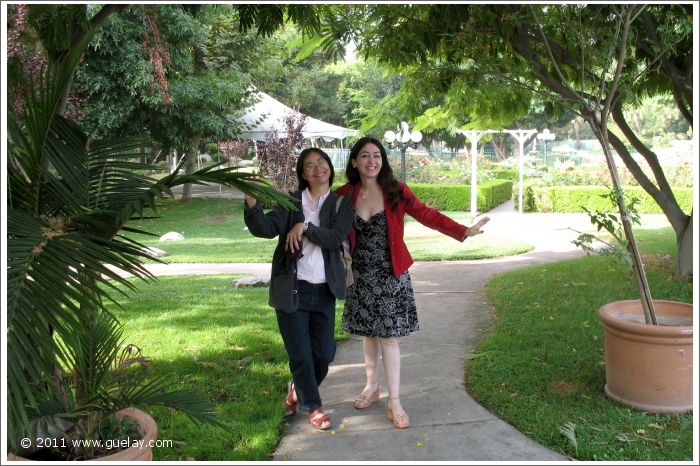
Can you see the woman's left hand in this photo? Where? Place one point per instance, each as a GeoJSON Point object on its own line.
{"type": "Point", "coordinates": [476, 228]}
{"type": "Point", "coordinates": [293, 241]}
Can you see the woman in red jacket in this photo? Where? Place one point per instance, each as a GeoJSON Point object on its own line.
{"type": "Point", "coordinates": [380, 306]}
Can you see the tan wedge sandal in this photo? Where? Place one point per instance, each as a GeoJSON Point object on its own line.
{"type": "Point", "coordinates": [364, 400]}
{"type": "Point", "coordinates": [401, 421]}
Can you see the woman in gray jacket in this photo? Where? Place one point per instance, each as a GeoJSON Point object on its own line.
{"type": "Point", "coordinates": [307, 276]}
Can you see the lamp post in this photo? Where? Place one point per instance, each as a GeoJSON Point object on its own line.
{"type": "Point", "coordinates": [402, 139]}
{"type": "Point", "coordinates": [545, 136]}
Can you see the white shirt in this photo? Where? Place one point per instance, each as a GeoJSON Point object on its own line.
{"type": "Point", "coordinates": [311, 267]}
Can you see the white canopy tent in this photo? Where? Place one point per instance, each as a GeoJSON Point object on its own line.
{"type": "Point", "coordinates": [269, 113]}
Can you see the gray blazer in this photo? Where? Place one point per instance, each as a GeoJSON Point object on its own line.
{"type": "Point", "coordinates": [329, 235]}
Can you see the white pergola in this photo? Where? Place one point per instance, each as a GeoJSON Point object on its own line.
{"type": "Point", "coordinates": [521, 135]}
{"type": "Point", "coordinates": [474, 136]}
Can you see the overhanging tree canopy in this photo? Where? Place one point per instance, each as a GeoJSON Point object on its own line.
{"type": "Point", "coordinates": [491, 61]}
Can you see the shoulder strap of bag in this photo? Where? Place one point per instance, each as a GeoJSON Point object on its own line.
{"type": "Point", "coordinates": [337, 203]}
{"type": "Point", "coordinates": [340, 199]}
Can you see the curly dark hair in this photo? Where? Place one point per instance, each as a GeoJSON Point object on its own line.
{"type": "Point", "coordinates": [385, 178]}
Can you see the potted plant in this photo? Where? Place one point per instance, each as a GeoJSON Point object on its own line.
{"type": "Point", "coordinates": [69, 369]}
{"type": "Point", "coordinates": [648, 343]}
{"type": "Point", "coordinates": [648, 365]}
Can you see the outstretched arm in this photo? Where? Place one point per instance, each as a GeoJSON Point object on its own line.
{"type": "Point", "coordinates": [432, 218]}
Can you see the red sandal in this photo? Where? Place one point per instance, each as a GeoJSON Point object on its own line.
{"type": "Point", "coordinates": [290, 403]}
{"type": "Point", "coordinates": [319, 420]}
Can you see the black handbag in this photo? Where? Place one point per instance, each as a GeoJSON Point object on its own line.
{"type": "Point", "coordinates": [345, 256]}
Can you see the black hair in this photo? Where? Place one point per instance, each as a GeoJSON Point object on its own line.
{"type": "Point", "coordinates": [385, 178]}
{"type": "Point", "coordinates": [303, 183]}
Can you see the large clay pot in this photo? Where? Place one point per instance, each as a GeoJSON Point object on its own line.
{"type": "Point", "coordinates": [144, 452]}
{"type": "Point", "coordinates": [649, 367]}
{"type": "Point", "coordinates": [149, 432]}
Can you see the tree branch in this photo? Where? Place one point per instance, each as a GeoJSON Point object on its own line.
{"type": "Point", "coordinates": [97, 20]}
{"type": "Point", "coordinates": [680, 83]}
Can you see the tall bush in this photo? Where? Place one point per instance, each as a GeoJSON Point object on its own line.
{"type": "Point", "coordinates": [278, 154]}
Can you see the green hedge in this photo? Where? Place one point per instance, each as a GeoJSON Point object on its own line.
{"type": "Point", "coordinates": [457, 197]}
{"type": "Point", "coordinates": [505, 174]}
{"type": "Point", "coordinates": [450, 197]}
{"type": "Point", "coordinates": [574, 198]}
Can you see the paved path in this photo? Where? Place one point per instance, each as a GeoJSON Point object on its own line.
{"type": "Point", "coordinates": [454, 314]}
{"type": "Point", "coordinates": [210, 191]}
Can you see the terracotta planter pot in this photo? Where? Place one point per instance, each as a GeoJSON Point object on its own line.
{"type": "Point", "coordinates": [149, 432]}
{"type": "Point", "coordinates": [649, 367]}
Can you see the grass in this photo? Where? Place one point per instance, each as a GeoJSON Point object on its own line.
{"type": "Point", "coordinates": [223, 341]}
{"type": "Point", "coordinates": [542, 365]}
{"type": "Point", "coordinates": [215, 232]}
{"type": "Point", "coordinates": [426, 244]}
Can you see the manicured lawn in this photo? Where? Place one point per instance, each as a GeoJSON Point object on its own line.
{"type": "Point", "coordinates": [215, 232]}
{"type": "Point", "coordinates": [542, 365]}
{"type": "Point", "coordinates": [223, 341]}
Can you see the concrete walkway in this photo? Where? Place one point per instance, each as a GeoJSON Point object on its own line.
{"type": "Point", "coordinates": [454, 314]}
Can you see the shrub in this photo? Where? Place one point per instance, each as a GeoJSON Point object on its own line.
{"type": "Point", "coordinates": [680, 175]}
{"type": "Point", "coordinates": [505, 174]}
{"type": "Point", "coordinates": [211, 148]}
{"type": "Point", "coordinates": [579, 198]}
{"type": "Point", "coordinates": [458, 197]}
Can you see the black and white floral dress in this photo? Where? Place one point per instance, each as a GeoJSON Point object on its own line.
{"type": "Point", "coordinates": [378, 304]}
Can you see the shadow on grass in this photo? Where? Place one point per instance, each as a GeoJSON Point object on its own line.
{"type": "Point", "coordinates": [206, 335]}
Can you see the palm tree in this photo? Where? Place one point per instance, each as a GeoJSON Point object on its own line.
{"type": "Point", "coordinates": [66, 361]}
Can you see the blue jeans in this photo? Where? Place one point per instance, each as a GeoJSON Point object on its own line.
{"type": "Point", "coordinates": [309, 338]}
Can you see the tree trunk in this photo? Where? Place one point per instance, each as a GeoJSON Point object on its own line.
{"type": "Point", "coordinates": [191, 158]}
{"type": "Point", "coordinates": [577, 133]}
{"type": "Point", "coordinates": [156, 152]}
{"type": "Point", "coordinates": [500, 145]}
{"type": "Point", "coordinates": [65, 93]}
{"type": "Point", "coordinates": [498, 151]}
{"type": "Point", "coordinates": [684, 260]}
{"type": "Point", "coordinates": [663, 195]}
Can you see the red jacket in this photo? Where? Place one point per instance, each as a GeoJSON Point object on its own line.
{"type": "Point", "coordinates": [401, 259]}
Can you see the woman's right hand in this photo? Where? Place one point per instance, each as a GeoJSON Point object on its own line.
{"type": "Point", "coordinates": [251, 201]}
{"type": "Point", "coordinates": [476, 228]}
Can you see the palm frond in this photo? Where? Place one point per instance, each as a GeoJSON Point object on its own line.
{"type": "Point", "coordinates": [160, 392]}
{"type": "Point", "coordinates": [250, 183]}
{"type": "Point", "coordinates": [93, 348]}
{"type": "Point", "coordinates": [568, 430]}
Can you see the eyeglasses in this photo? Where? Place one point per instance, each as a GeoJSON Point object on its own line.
{"type": "Point", "coordinates": [310, 167]}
